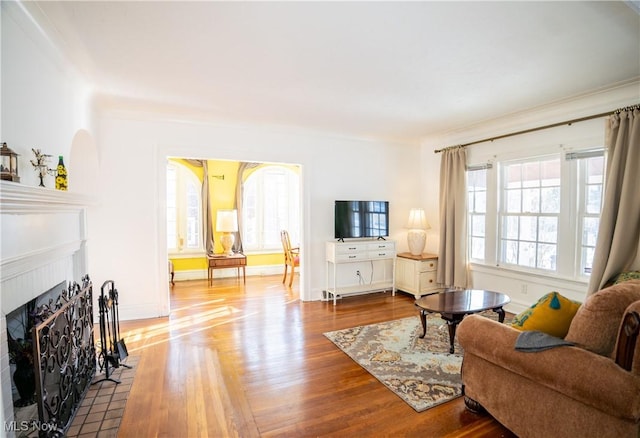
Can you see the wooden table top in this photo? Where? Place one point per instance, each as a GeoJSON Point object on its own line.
{"type": "Point", "coordinates": [464, 301]}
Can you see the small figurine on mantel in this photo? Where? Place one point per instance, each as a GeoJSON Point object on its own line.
{"type": "Point", "coordinates": [41, 166]}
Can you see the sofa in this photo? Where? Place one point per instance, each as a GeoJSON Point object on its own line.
{"type": "Point", "coordinates": [588, 389]}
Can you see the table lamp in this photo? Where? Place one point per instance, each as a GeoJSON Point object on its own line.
{"type": "Point", "coordinates": [227, 224]}
{"type": "Point", "coordinates": [417, 236]}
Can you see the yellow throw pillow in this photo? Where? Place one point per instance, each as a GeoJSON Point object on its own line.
{"type": "Point", "coordinates": [552, 314]}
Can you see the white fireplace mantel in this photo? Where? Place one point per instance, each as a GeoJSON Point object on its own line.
{"type": "Point", "coordinates": [43, 243]}
{"type": "Point", "coordinates": [16, 198]}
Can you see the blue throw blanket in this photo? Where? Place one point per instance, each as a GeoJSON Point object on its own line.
{"type": "Point", "coordinates": [532, 341]}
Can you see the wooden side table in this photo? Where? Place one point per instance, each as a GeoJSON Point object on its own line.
{"type": "Point", "coordinates": [224, 262]}
{"type": "Point", "coordinates": [416, 274]}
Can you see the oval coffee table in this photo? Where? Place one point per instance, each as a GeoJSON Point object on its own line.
{"type": "Point", "coordinates": [454, 305]}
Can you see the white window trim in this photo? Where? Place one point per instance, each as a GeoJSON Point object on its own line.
{"type": "Point", "coordinates": [567, 270]}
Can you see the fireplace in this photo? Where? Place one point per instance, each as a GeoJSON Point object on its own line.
{"type": "Point", "coordinates": [43, 245]}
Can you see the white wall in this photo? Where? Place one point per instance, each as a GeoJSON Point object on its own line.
{"type": "Point", "coordinates": [44, 101]}
{"type": "Point", "coordinates": [127, 233]}
{"type": "Point", "coordinates": [525, 288]}
{"type": "Point", "coordinates": [44, 104]}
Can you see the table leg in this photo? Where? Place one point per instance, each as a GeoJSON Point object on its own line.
{"type": "Point", "coordinates": [423, 319]}
{"type": "Point", "coordinates": [452, 325]}
{"type": "Point", "coordinates": [500, 312]}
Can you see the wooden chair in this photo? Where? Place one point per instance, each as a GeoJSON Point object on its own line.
{"type": "Point", "coordinates": [291, 256]}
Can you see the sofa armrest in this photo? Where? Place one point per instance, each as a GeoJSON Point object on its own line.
{"type": "Point", "coordinates": [627, 350]}
{"type": "Point", "coordinates": [577, 373]}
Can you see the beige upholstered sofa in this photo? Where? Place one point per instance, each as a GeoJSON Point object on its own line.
{"type": "Point", "coordinates": [567, 391]}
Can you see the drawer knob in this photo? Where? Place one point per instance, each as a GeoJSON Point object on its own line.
{"type": "Point", "coordinates": [430, 281]}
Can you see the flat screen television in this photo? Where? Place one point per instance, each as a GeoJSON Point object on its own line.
{"type": "Point", "coordinates": [360, 219]}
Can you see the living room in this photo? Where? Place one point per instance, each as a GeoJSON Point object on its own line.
{"type": "Point", "coordinates": [116, 141]}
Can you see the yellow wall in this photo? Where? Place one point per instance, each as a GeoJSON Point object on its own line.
{"type": "Point", "coordinates": [223, 192]}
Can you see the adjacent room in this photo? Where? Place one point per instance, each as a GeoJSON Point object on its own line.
{"type": "Point", "coordinates": [226, 218]}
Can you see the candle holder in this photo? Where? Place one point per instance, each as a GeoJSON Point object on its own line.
{"type": "Point", "coordinates": [8, 164]}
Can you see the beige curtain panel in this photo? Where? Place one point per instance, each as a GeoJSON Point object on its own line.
{"type": "Point", "coordinates": [452, 261]}
{"type": "Point", "coordinates": [619, 232]}
{"type": "Point", "coordinates": [207, 221]}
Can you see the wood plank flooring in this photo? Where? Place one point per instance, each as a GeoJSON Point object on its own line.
{"type": "Point", "coordinates": [250, 360]}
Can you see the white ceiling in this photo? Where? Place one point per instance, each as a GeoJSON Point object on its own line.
{"type": "Point", "coordinates": [393, 70]}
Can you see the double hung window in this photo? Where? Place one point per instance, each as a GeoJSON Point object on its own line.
{"type": "Point", "coordinates": [271, 203]}
{"type": "Point", "coordinates": [529, 213]}
{"type": "Point", "coordinates": [477, 199]}
{"type": "Point", "coordinates": [184, 210]}
{"type": "Point", "coordinates": [538, 214]}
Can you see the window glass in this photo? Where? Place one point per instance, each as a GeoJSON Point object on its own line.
{"type": "Point", "coordinates": [184, 209]}
{"type": "Point", "coordinates": [477, 206]}
{"type": "Point", "coordinates": [271, 203]}
{"type": "Point", "coordinates": [546, 213]}
{"type": "Point", "coordinates": [529, 234]}
{"type": "Point", "coordinates": [591, 178]}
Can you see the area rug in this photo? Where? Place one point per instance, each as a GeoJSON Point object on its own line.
{"type": "Point", "coordinates": [421, 372]}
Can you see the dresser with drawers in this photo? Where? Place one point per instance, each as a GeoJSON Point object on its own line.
{"type": "Point", "coordinates": [370, 264]}
{"type": "Point", "coordinates": [416, 274]}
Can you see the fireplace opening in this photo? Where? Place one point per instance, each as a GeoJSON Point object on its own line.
{"type": "Point", "coordinates": [21, 354]}
{"type": "Point", "coordinates": [52, 357]}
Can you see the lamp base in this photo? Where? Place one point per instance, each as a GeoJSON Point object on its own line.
{"type": "Point", "coordinates": [416, 240]}
{"type": "Point", "coordinates": [227, 240]}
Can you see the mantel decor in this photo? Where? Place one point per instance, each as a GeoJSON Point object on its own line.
{"type": "Point", "coordinates": [8, 164]}
{"type": "Point", "coordinates": [41, 166]}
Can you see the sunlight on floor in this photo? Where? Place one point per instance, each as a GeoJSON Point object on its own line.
{"type": "Point", "coordinates": [174, 328]}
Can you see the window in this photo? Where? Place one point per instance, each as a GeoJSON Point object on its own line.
{"type": "Point", "coordinates": [477, 198]}
{"type": "Point", "coordinates": [271, 202]}
{"type": "Point", "coordinates": [529, 213]}
{"type": "Point", "coordinates": [591, 182]}
{"type": "Point", "coordinates": [184, 210]}
{"type": "Point", "coordinates": [537, 214]}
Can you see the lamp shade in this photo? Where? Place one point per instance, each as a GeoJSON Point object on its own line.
{"type": "Point", "coordinates": [417, 220]}
{"type": "Point", "coordinates": [227, 221]}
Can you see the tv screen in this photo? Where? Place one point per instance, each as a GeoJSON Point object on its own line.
{"type": "Point", "coordinates": [355, 219]}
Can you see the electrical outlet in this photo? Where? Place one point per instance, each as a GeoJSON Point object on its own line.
{"type": "Point", "coordinates": [523, 289]}
{"type": "Point", "coordinates": [357, 273]}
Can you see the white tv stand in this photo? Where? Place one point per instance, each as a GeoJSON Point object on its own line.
{"type": "Point", "coordinates": [380, 253]}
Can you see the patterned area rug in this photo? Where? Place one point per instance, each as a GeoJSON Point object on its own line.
{"type": "Point", "coordinates": [421, 372]}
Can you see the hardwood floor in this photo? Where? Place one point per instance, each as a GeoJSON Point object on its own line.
{"type": "Point", "coordinates": [251, 361]}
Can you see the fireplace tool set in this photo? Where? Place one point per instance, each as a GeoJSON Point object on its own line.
{"type": "Point", "coordinates": [113, 349]}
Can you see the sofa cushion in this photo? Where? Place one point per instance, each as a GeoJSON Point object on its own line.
{"type": "Point", "coordinates": [626, 276]}
{"type": "Point", "coordinates": [552, 314]}
{"type": "Point", "coordinates": [595, 325]}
